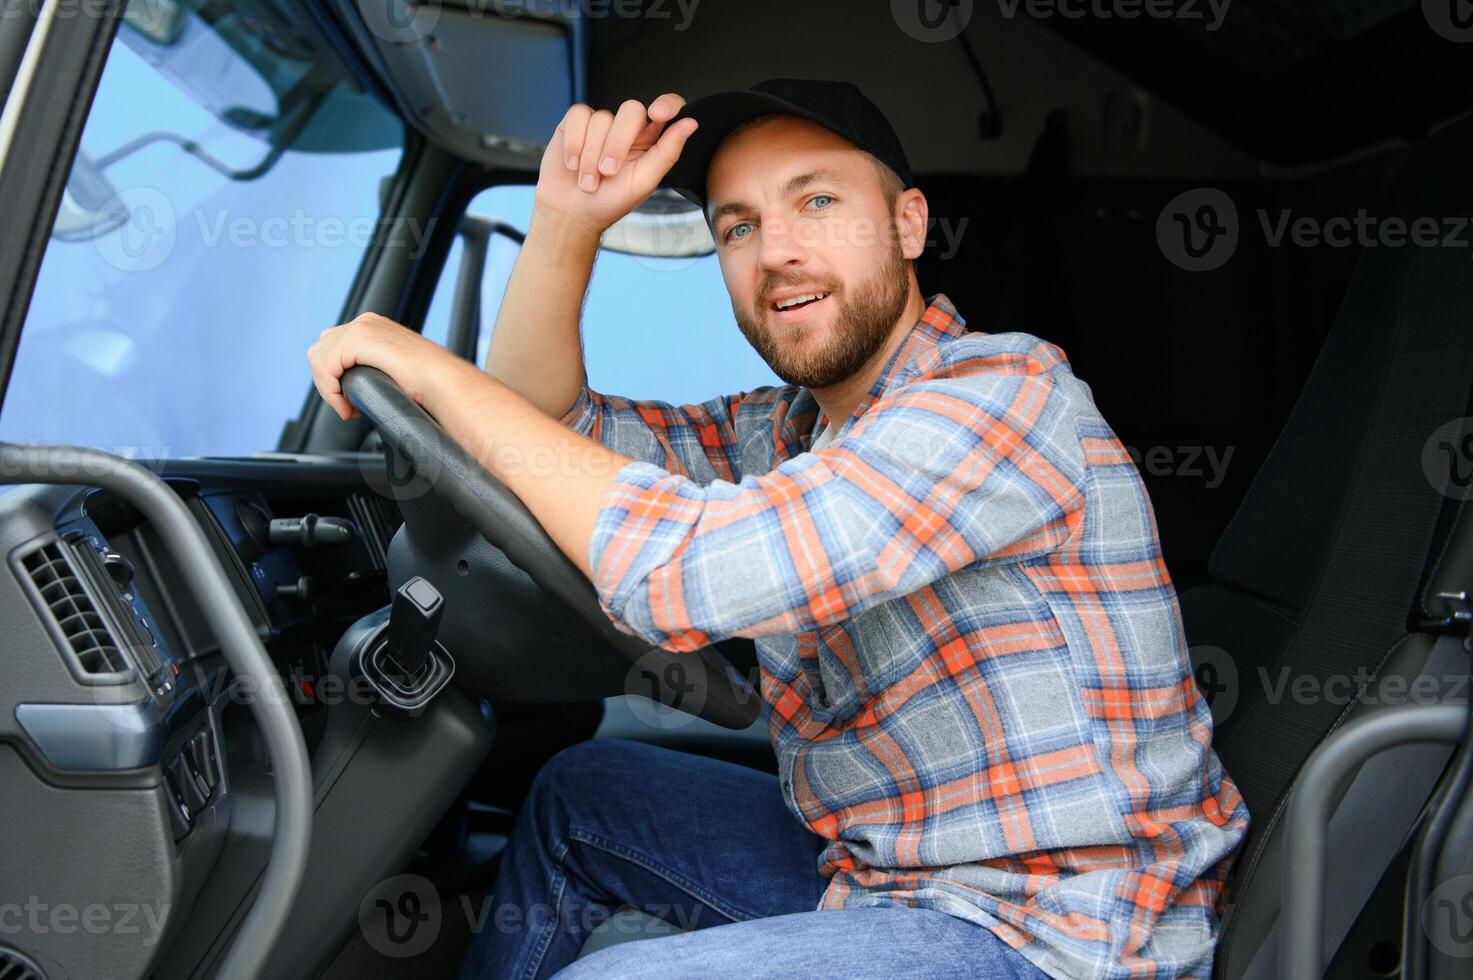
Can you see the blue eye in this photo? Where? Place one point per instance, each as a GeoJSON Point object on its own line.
{"type": "Point", "coordinates": [739, 231]}
{"type": "Point", "coordinates": [822, 197]}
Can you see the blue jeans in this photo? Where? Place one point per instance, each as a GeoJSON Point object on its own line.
{"type": "Point", "coordinates": [711, 847]}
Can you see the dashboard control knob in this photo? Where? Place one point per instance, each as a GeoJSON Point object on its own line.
{"type": "Point", "coordinates": [304, 589]}
{"type": "Point", "coordinates": [119, 569]}
{"type": "Point", "coordinates": [309, 531]}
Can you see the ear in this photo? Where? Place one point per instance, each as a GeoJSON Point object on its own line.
{"type": "Point", "coordinates": [912, 221]}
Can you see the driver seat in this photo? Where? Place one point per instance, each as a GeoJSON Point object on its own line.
{"type": "Point", "coordinates": [1324, 573]}
{"type": "Point", "coordinates": [1326, 581]}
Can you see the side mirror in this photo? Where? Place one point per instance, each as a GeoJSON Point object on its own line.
{"type": "Point", "coordinates": [90, 205]}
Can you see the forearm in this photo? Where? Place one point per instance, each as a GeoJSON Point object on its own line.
{"type": "Point", "coordinates": [535, 349]}
{"type": "Point", "coordinates": [560, 475]}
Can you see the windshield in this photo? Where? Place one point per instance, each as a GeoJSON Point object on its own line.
{"type": "Point", "coordinates": [226, 190]}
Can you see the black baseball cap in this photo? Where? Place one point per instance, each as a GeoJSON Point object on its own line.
{"type": "Point", "coordinates": [839, 107]}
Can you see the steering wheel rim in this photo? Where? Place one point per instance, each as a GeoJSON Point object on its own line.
{"type": "Point", "coordinates": [498, 515]}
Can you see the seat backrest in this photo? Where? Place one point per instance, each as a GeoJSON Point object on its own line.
{"type": "Point", "coordinates": [1315, 582]}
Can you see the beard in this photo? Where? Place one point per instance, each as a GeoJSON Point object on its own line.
{"type": "Point", "coordinates": [860, 327]}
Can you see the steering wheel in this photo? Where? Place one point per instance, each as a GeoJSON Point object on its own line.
{"type": "Point", "coordinates": [522, 584]}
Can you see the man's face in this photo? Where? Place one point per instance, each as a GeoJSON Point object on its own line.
{"type": "Point", "coordinates": [807, 239]}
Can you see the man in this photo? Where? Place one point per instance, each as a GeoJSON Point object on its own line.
{"type": "Point", "coordinates": [972, 662]}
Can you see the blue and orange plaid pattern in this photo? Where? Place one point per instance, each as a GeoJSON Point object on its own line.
{"type": "Point", "coordinates": [972, 659]}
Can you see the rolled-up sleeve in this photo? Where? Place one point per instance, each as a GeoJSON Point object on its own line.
{"type": "Point", "coordinates": [935, 478]}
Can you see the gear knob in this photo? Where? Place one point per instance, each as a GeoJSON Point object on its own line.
{"type": "Point", "coordinates": [414, 621]}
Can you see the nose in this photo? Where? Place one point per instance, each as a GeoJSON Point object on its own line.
{"type": "Point", "coordinates": [780, 247]}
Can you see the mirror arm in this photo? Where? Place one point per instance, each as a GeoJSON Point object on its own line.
{"type": "Point", "coordinates": [289, 133]}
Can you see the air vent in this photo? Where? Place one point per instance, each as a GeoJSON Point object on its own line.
{"type": "Point", "coordinates": [14, 966]}
{"type": "Point", "coordinates": [74, 613]}
{"type": "Point", "coordinates": [377, 518]}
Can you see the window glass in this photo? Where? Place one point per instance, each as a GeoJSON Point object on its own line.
{"type": "Point", "coordinates": [652, 328]}
{"type": "Point", "coordinates": [226, 190]}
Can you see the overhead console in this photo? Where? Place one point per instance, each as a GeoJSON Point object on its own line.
{"type": "Point", "coordinates": [451, 65]}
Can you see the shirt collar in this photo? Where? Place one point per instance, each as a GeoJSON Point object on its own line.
{"type": "Point", "coordinates": [938, 324]}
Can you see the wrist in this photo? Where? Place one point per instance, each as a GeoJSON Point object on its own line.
{"type": "Point", "coordinates": [437, 372]}
{"type": "Point", "coordinates": [564, 233]}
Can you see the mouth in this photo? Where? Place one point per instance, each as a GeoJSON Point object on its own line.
{"type": "Point", "coordinates": [797, 306]}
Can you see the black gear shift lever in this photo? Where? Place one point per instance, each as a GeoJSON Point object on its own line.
{"type": "Point", "coordinates": [414, 622]}
{"type": "Point", "coordinates": [398, 656]}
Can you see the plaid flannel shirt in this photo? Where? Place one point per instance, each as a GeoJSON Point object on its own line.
{"type": "Point", "coordinates": [972, 660]}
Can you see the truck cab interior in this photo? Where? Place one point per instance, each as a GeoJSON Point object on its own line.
{"type": "Point", "coordinates": [273, 685]}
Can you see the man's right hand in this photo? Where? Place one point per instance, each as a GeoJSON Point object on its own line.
{"type": "Point", "coordinates": [600, 165]}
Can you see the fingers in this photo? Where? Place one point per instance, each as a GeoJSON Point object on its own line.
{"type": "Point", "coordinates": [574, 128]}
{"type": "Point", "coordinates": [666, 107]}
{"type": "Point", "coordinates": [593, 145]}
{"type": "Point", "coordinates": [338, 349]}
{"type": "Point", "coordinates": [661, 111]}
{"type": "Point", "coordinates": [340, 404]}
{"type": "Point", "coordinates": [326, 361]}
{"type": "Point", "coordinates": [628, 124]}
{"type": "Point", "coordinates": [662, 155]}
{"type": "Point", "coordinates": [597, 144]}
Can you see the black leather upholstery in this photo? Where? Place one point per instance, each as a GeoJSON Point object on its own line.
{"type": "Point", "coordinates": [1320, 573]}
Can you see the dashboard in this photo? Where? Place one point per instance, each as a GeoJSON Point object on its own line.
{"type": "Point", "coordinates": [129, 758]}
{"type": "Point", "coordinates": [304, 543]}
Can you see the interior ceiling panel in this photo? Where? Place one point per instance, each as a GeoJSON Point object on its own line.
{"type": "Point", "coordinates": [486, 84]}
{"type": "Point", "coordinates": [1294, 82]}
{"type": "Point", "coordinates": [493, 75]}
{"type": "Point", "coordinates": [1268, 37]}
